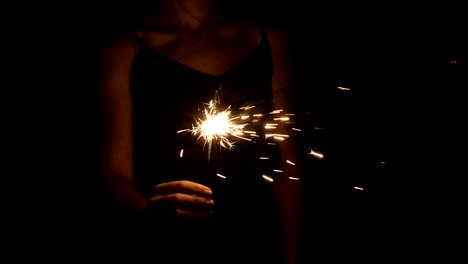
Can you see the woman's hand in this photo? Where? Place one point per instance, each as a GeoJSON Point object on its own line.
{"type": "Point", "coordinates": [182, 199]}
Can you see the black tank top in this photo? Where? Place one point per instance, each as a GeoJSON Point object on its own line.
{"type": "Point", "coordinates": [168, 97]}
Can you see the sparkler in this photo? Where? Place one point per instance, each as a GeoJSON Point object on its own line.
{"type": "Point", "coordinates": [218, 126]}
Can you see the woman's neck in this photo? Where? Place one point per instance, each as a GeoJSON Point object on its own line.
{"type": "Point", "coordinates": [191, 14]}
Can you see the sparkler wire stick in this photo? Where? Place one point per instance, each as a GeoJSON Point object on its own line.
{"type": "Point", "coordinates": [216, 103]}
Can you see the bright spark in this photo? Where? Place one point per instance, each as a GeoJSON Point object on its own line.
{"type": "Point", "coordinates": [316, 154]}
{"type": "Point", "coordinates": [267, 178]}
{"type": "Point", "coordinates": [218, 126]}
{"type": "Point", "coordinates": [343, 88]}
{"type": "Point", "coordinates": [220, 175]}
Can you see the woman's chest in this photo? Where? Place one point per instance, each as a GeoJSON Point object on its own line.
{"type": "Point", "coordinates": [212, 52]}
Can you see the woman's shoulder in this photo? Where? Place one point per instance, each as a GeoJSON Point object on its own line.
{"type": "Point", "coordinates": [117, 54]}
{"type": "Point", "coordinates": [119, 44]}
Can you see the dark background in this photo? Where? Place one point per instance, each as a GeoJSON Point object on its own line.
{"type": "Point", "coordinates": [398, 133]}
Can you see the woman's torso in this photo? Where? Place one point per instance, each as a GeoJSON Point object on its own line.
{"type": "Point", "coordinates": [173, 76]}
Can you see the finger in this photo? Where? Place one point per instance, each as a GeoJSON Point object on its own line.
{"type": "Point", "coordinates": [187, 187]}
{"type": "Point", "coordinates": [181, 200]}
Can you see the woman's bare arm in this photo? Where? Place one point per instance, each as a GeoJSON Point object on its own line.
{"type": "Point", "coordinates": [289, 192]}
{"type": "Point", "coordinates": [113, 77]}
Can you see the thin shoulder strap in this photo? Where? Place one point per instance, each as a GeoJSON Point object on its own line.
{"type": "Point", "coordinates": [263, 31]}
{"type": "Point", "coordinates": [140, 44]}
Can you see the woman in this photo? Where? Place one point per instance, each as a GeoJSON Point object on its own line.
{"type": "Point", "coordinates": [155, 80]}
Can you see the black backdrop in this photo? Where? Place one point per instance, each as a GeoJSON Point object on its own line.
{"type": "Point", "coordinates": [398, 132]}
